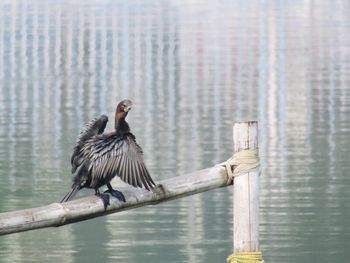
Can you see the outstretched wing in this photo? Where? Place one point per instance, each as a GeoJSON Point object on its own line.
{"type": "Point", "coordinates": [94, 127]}
{"type": "Point", "coordinates": [120, 156]}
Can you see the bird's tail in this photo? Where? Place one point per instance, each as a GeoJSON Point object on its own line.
{"type": "Point", "coordinates": [71, 193]}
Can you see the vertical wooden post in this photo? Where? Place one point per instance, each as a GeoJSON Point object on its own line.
{"type": "Point", "coordinates": [246, 193]}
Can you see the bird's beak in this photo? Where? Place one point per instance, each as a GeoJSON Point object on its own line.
{"type": "Point", "coordinates": [126, 109]}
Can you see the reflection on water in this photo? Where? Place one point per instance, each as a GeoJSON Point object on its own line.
{"type": "Point", "coordinates": [191, 69]}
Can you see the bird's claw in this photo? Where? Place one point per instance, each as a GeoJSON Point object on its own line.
{"type": "Point", "coordinates": [105, 199]}
{"type": "Point", "coordinates": [117, 194]}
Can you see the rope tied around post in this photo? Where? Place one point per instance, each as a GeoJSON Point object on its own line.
{"type": "Point", "coordinates": [241, 163]}
{"type": "Point", "coordinates": [246, 257]}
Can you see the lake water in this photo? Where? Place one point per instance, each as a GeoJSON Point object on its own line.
{"type": "Point", "coordinates": [192, 68]}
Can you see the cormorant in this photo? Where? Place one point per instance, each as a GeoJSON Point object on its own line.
{"type": "Point", "coordinates": [97, 158]}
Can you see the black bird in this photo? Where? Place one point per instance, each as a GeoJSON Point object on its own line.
{"type": "Point", "coordinates": [97, 158]}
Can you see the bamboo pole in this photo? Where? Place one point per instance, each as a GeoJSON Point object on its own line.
{"type": "Point", "coordinates": [246, 193]}
{"type": "Point", "coordinates": [59, 214]}
{"type": "Point", "coordinates": [246, 205]}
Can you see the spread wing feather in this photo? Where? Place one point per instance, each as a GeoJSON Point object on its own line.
{"type": "Point", "coordinates": [117, 156]}
{"type": "Point", "coordinates": [94, 127]}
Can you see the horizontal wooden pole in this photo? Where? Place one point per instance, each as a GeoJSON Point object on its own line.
{"type": "Point", "coordinates": [59, 214]}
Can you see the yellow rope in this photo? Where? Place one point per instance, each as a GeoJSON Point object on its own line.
{"type": "Point", "coordinates": [246, 257]}
{"type": "Point", "coordinates": [242, 162]}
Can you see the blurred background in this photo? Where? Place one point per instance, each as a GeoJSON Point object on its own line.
{"type": "Point", "coordinates": [191, 68]}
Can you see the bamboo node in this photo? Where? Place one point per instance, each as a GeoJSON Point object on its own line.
{"type": "Point", "coordinates": [62, 207]}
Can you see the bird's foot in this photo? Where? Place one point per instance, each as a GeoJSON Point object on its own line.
{"type": "Point", "coordinates": [105, 199]}
{"type": "Point", "coordinates": [117, 194]}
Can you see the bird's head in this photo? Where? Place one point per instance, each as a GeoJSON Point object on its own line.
{"type": "Point", "coordinates": [123, 108]}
